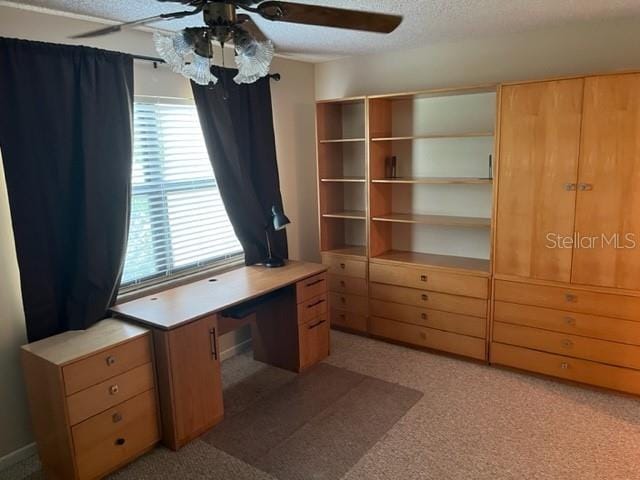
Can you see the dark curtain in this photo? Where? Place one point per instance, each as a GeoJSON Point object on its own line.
{"type": "Point", "coordinates": [66, 140]}
{"type": "Point", "coordinates": [237, 123]}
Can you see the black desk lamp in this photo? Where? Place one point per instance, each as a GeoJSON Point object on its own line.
{"type": "Point", "coordinates": [278, 222]}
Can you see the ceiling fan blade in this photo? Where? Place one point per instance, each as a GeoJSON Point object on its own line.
{"type": "Point", "coordinates": [250, 26]}
{"type": "Point", "coordinates": [328, 16]}
{"type": "Point", "coordinates": [133, 23]}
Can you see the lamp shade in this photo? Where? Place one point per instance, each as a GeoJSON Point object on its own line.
{"type": "Point", "coordinates": [280, 220]}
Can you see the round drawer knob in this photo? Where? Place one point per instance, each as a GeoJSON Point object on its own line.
{"type": "Point", "coordinates": [423, 278]}
{"type": "Point", "coordinates": [111, 360]}
{"type": "Point", "coordinates": [425, 297]}
{"type": "Point", "coordinates": [120, 441]}
{"type": "Point", "coordinates": [343, 283]}
{"type": "Point", "coordinates": [423, 316]}
{"type": "Point", "coordinates": [116, 417]}
{"type": "Point", "coordinates": [570, 297]}
{"type": "Point", "coordinates": [570, 321]}
{"type": "Point", "coordinates": [343, 300]}
{"type": "Point", "coordinates": [342, 266]}
{"type": "Point", "coordinates": [566, 343]}
{"type": "Point", "coordinates": [113, 389]}
{"type": "Point", "coordinates": [564, 365]}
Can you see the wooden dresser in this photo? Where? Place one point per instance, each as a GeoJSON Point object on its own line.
{"type": "Point", "coordinates": [92, 398]}
{"type": "Point", "coordinates": [567, 247]}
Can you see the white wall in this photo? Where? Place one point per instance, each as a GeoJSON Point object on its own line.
{"type": "Point", "coordinates": [585, 48]}
{"type": "Point", "coordinates": [293, 104]}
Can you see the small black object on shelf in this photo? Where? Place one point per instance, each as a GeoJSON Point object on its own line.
{"type": "Point", "coordinates": [279, 221]}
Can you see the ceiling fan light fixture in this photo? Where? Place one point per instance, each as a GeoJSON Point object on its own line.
{"type": "Point", "coordinates": [172, 49]}
{"type": "Point", "coordinates": [253, 58]}
{"type": "Point", "coordinates": [199, 70]}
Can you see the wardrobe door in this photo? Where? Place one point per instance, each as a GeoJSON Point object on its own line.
{"type": "Point", "coordinates": [608, 203]}
{"type": "Point", "coordinates": [537, 173]}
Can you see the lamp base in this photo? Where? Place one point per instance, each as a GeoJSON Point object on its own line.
{"type": "Point", "coordinates": [274, 262]}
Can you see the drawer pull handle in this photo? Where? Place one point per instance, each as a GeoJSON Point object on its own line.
{"type": "Point", "coordinates": [315, 304]}
{"type": "Point", "coordinates": [570, 297]}
{"type": "Point", "coordinates": [423, 278]}
{"type": "Point", "coordinates": [423, 316]}
{"type": "Point", "coordinates": [314, 283]}
{"type": "Point", "coordinates": [570, 321]}
{"type": "Point", "coordinates": [424, 297]}
{"type": "Point", "coordinates": [564, 365]}
{"type": "Point", "coordinates": [116, 417]}
{"type": "Point", "coordinates": [343, 316]}
{"type": "Point", "coordinates": [212, 341]}
{"type": "Point", "coordinates": [343, 283]}
{"type": "Point", "coordinates": [120, 441]}
{"type": "Point", "coordinates": [343, 300]}
{"type": "Point", "coordinates": [423, 335]}
{"type": "Point", "coordinates": [342, 266]}
{"type": "Point", "coordinates": [566, 343]}
{"type": "Point", "coordinates": [585, 187]}
{"type": "Point", "coordinates": [111, 360]}
{"type": "Point", "coordinates": [311, 327]}
{"type": "Point", "coordinates": [114, 389]}
{"type": "Point", "coordinates": [570, 187]}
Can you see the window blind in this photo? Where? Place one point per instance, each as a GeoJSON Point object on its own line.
{"type": "Point", "coordinates": [178, 221]}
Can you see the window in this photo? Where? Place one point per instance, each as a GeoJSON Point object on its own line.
{"type": "Point", "coordinates": [178, 222]}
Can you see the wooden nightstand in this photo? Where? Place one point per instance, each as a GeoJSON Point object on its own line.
{"type": "Point", "coordinates": [92, 396]}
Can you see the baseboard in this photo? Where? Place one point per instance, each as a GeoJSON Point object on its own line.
{"type": "Point", "coordinates": [236, 350]}
{"type": "Point", "coordinates": [17, 456]}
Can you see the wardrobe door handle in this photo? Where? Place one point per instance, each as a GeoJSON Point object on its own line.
{"type": "Point", "coordinates": [570, 187]}
{"type": "Point", "coordinates": [585, 187]}
{"type": "Point", "coordinates": [212, 340]}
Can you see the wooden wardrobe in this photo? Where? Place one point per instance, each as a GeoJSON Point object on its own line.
{"type": "Point", "coordinates": [566, 258]}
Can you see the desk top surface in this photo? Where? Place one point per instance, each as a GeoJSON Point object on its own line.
{"type": "Point", "coordinates": [177, 306]}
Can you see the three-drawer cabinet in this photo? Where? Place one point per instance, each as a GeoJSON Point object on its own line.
{"type": "Point", "coordinates": [92, 398]}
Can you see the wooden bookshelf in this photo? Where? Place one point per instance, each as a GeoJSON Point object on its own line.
{"type": "Point", "coordinates": [475, 266]}
{"type": "Point", "coordinates": [434, 180]}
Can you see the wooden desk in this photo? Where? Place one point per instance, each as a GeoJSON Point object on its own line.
{"type": "Point", "coordinates": [290, 330]}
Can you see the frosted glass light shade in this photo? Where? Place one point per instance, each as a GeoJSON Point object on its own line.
{"type": "Point", "coordinates": [253, 58]}
{"type": "Point", "coordinates": [178, 52]}
{"type": "Point", "coordinates": [199, 71]}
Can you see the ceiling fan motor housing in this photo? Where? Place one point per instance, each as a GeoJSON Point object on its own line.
{"type": "Point", "coordinates": [221, 17]}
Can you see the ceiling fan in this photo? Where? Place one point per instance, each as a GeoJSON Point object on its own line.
{"type": "Point", "coordinates": [190, 51]}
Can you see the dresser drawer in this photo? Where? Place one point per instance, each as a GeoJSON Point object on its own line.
{"type": "Point", "coordinates": [605, 328]}
{"type": "Point", "coordinates": [98, 398]}
{"type": "Point", "coordinates": [313, 338]}
{"type": "Point", "coordinates": [349, 303]}
{"type": "Point", "coordinates": [593, 373]}
{"type": "Point", "coordinates": [450, 322]}
{"type": "Point", "coordinates": [572, 300]}
{"type": "Point", "coordinates": [352, 321]}
{"type": "Point", "coordinates": [342, 266]}
{"type": "Point", "coordinates": [427, 337]}
{"type": "Point", "coordinates": [619, 354]}
{"type": "Point", "coordinates": [312, 308]}
{"type": "Point", "coordinates": [311, 287]}
{"type": "Point", "coordinates": [432, 300]}
{"type": "Point", "coordinates": [106, 364]}
{"type": "Point", "coordinates": [342, 284]}
{"type": "Point", "coordinates": [116, 436]}
{"type": "Point", "coordinates": [433, 280]}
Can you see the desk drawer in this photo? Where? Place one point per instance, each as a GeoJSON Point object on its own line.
{"type": "Point", "coordinates": [450, 322]}
{"type": "Point", "coordinates": [433, 300]}
{"type": "Point", "coordinates": [342, 266]}
{"type": "Point", "coordinates": [349, 303]}
{"type": "Point", "coordinates": [311, 287]}
{"type": "Point", "coordinates": [106, 364]}
{"type": "Point", "coordinates": [312, 308]}
{"type": "Point", "coordinates": [572, 300]}
{"type": "Point", "coordinates": [571, 345]}
{"type": "Point", "coordinates": [98, 398]}
{"type": "Point", "coordinates": [352, 321]}
{"type": "Point", "coordinates": [433, 280]}
{"type": "Point", "coordinates": [116, 436]}
{"type": "Point", "coordinates": [615, 378]}
{"type": "Point", "coordinates": [428, 337]}
{"type": "Point", "coordinates": [343, 284]}
{"type": "Point", "coordinates": [313, 338]}
{"type": "Point", "coordinates": [605, 328]}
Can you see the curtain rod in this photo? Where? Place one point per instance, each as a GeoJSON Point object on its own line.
{"type": "Point", "coordinates": [273, 76]}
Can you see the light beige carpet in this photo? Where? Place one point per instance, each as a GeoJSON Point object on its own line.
{"type": "Point", "coordinates": [473, 422]}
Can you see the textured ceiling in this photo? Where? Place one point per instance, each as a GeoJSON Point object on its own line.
{"type": "Point", "coordinates": [425, 21]}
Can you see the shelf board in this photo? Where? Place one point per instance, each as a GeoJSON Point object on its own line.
{"type": "Point", "coordinates": [435, 180]}
{"type": "Point", "coordinates": [439, 92]}
{"type": "Point", "coordinates": [343, 180]}
{"type": "Point", "coordinates": [473, 266]}
{"type": "Point", "coordinates": [439, 135]}
{"type": "Point", "coordinates": [445, 220]}
{"type": "Point", "coordinates": [343, 140]}
{"type": "Point", "coordinates": [359, 251]}
{"type": "Point", "coordinates": [348, 214]}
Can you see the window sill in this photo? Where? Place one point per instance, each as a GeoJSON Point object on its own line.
{"type": "Point", "coordinates": [232, 264]}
